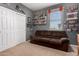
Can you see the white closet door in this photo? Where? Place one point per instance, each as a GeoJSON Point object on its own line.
{"type": "Point", "coordinates": [5, 32]}
{"type": "Point", "coordinates": [23, 28]}
{"type": "Point", "coordinates": [1, 44]}
{"type": "Point", "coordinates": [12, 28]}
{"type": "Point", "coordinates": [16, 28]}
{"type": "Point", "coordinates": [20, 28]}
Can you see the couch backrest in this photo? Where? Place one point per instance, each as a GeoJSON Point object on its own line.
{"type": "Point", "coordinates": [51, 34]}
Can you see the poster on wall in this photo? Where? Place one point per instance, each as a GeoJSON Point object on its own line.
{"type": "Point", "coordinates": [72, 16]}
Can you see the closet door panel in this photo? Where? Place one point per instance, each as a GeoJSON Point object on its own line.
{"type": "Point", "coordinates": [13, 28]}
{"type": "Point", "coordinates": [23, 28]}
{"type": "Point", "coordinates": [23, 19]}
{"type": "Point", "coordinates": [1, 44]}
{"type": "Point", "coordinates": [16, 28]}
{"type": "Point", "coordinates": [10, 29]}
{"type": "Point", "coordinates": [5, 33]}
{"type": "Point", "coordinates": [19, 28]}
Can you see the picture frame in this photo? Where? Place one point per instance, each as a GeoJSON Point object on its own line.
{"type": "Point", "coordinates": [28, 20]}
{"type": "Point", "coordinates": [72, 16]}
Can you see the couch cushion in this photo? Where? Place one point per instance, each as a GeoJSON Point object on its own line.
{"type": "Point", "coordinates": [55, 41]}
{"type": "Point", "coordinates": [42, 39]}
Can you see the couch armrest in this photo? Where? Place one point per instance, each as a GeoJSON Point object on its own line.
{"type": "Point", "coordinates": [33, 37]}
{"type": "Point", "coordinates": [65, 40]}
{"type": "Point", "coordinates": [65, 44]}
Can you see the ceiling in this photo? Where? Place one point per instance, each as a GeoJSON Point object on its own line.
{"type": "Point", "coordinates": [37, 6]}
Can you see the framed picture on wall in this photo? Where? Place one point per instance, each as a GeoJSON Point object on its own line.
{"type": "Point", "coordinates": [28, 19]}
{"type": "Point", "coordinates": [72, 16]}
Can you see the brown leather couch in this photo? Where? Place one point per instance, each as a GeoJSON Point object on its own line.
{"type": "Point", "coordinates": [55, 39]}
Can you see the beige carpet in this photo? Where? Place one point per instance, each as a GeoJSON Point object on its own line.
{"type": "Point", "coordinates": [28, 49]}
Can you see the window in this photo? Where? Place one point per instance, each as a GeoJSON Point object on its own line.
{"type": "Point", "coordinates": [56, 20]}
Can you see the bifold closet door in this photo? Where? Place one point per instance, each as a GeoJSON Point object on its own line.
{"type": "Point", "coordinates": [1, 44]}
{"type": "Point", "coordinates": [8, 28]}
{"type": "Point", "coordinates": [20, 28]}
{"type": "Point", "coordinates": [7, 32]}
{"type": "Point", "coordinates": [12, 28]}
{"type": "Point", "coordinates": [4, 23]}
